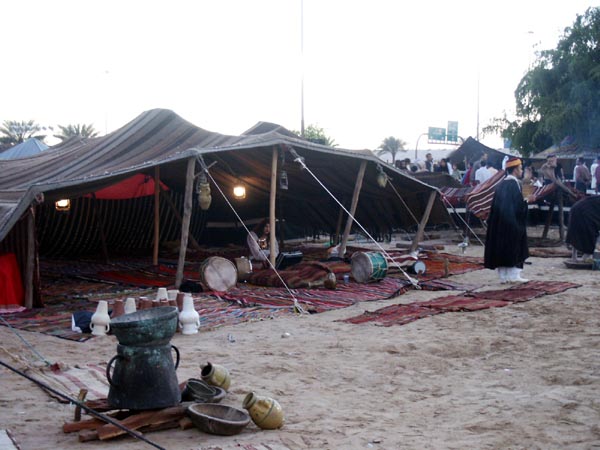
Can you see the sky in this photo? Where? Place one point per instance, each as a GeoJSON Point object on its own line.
{"type": "Point", "coordinates": [369, 69]}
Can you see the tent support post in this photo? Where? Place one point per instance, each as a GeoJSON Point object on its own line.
{"type": "Point", "coordinates": [338, 228]}
{"type": "Point", "coordinates": [561, 217]}
{"type": "Point", "coordinates": [355, 195]}
{"type": "Point", "coordinates": [30, 266]}
{"type": "Point", "coordinates": [178, 217]}
{"type": "Point", "coordinates": [156, 214]}
{"type": "Point", "coordinates": [273, 196]}
{"type": "Point", "coordinates": [548, 220]}
{"type": "Point", "coordinates": [185, 223]}
{"type": "Point", "coordinates": [423, 223]}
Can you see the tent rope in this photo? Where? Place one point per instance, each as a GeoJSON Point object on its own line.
{"type": "Point", "coordinates": [405, 205]}
{"type": "Point", "coordinates": [300, 160]}
{"type": "Point", "coordinates": [445, 200]}
{"type": "Point", "coordinates": [297, 306]}
{"type": "Point", "coordinates": [31, 347]}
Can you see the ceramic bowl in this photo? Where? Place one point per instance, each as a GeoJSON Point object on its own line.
{"type": "Point", "coordinates": [200, 391]}
{"type": "Point", "coordinates": [218, 419]}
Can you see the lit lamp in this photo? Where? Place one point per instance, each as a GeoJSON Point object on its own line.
{"type": "Point", "coordinates": [239, 191]}
{"type": "Point", "coordinates": [203, 191]}
{"type": "Point", "coordinates": [63, 204]}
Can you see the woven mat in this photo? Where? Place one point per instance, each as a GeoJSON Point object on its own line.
{"type": "Point", "coordinates": [471, 301]}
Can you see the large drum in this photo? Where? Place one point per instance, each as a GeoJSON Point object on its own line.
{"type": "Point", "coordinates": [368, 266]}
{"type": "Point", "coordinates": [218, 274]}
{"type": "Point", "coordinates": [244, 268]}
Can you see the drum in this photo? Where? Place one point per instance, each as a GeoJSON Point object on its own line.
{"type": "Point", "coordinates": [244, 268]}
{"type": "Point", "coordinates": [368, 266]}
{"type": "Point", "coordinates": [218, 274]}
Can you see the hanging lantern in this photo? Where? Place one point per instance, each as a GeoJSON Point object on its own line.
{"type": "Point", "coordinates": [203, 189]}
{"type": "Point", "coordinates": [239, 191]}
{"type": "Point", "coordinates": [382, 177]}
{"type": "Point", "coordinates": [283, 180]}
{"type": "Point", "coordinates": [63, 204]}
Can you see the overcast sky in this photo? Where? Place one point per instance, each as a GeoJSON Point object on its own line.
{"type": "Point", "coordinates": [372, 68]}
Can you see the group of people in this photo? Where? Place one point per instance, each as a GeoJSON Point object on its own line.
{"type": "Point", "coordinates": [429, 165]}
{"type": "Point", "coordinates": [506, 246]}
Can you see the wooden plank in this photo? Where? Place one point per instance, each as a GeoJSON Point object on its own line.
{"type": "Point", "coordinates": [143, 419]}
{"type": "Point", "coordinates": [423, 223]}
{"type": "Point", "coordinates": [272, 197]}
{"type": "Point", "coordinates": [156, 215]}
{"type": "Point", "coordinates": [89, 424]}
{"type": "Point", "coordinates": [355, 195]}
{"type": "Point", "coordinates": [185, 223]}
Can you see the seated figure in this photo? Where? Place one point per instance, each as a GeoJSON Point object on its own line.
{"type": "Point", "coordinates": [584, 224]}
{"type": "Point", "coordinates": [258, 241]}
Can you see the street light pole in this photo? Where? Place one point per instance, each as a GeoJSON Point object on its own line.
{"type": "Point", "coordinates": [417, 144]}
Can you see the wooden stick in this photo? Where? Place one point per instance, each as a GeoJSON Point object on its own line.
{"type": "Point", "coordinates": [81, 398]}
{"type": "Point", "coordinates": [185, 224]}
{"type": "Point", "coordinates": [423, 223]}
{"type": "Point", "coordinates": [273, 196]}
{"type": "Point", "coordinates": [355, 195]}
{"type": "Point", "coordinates": [156, 215]}
{"type": "Point", "coordinates": [169, 201]}
{"type": "Point", "coordinates": [30, 265]}
{"type": "Point", "coordinates": [143, 419]}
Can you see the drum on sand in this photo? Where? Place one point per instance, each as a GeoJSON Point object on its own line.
{"type": "Point", "coordinates": [368, 266]}
{"type": "Point", "coordinates": [218, 274]}
{"type": "Point", "coordinates": [244, 268]}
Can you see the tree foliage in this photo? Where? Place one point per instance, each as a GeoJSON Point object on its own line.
{"type": "Point", "coordinates": [316, 134]}
{"type": "Point", "coordinates": [78, 130]}
{"type": "Point", "coordinates": [391, 145]}
{"type": "Point", "coordinates": [13, 132]}
{"type": "Point", "coordinates": [560, 95]}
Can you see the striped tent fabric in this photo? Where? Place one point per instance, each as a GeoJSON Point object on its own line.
{"type": "Point", "coordinates": [479, 201]}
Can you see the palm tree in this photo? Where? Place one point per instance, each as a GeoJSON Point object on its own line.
{"type": "Point", "coordinates": [13, 132]}
{"type": "Point", "coordinates": [392, 146]}
{"type": "Point", "coordinates": [79, 130]}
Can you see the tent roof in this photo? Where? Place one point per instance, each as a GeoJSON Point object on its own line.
{"type": "Point", "coordinates": [24, 149]}
{"type": "Point", "coordinates": [161, 138]}
{"type": "Point", "coordinates": [472, 149]}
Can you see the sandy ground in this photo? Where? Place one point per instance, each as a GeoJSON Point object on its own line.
{"type": "Point", "coordinates": [526, 376]}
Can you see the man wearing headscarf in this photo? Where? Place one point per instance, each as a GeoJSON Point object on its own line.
{"type": "Point", "coordinates": [506, 240]}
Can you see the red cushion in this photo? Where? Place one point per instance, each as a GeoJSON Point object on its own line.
{"type": "Point", "coordinates": [11, 286]}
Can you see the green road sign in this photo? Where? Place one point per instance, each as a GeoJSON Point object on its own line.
{"type": "Point", "coordinates": [436, 134]}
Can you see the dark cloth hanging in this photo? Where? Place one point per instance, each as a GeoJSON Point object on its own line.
{"type": "Point", "coordinates": [506, 238]}
{"type": "Point", "coordinates": [584, 223]}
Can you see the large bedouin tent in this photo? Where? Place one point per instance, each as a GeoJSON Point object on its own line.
{"type": "Point", "coordinates": [108, 179]}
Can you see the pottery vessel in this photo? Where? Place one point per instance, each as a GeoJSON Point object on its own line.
{"type": "Point", "coordinates": [172, 294]}
{"type": "Point", "coordinates": [100, 323]}
{"type": "Point", "coordinates": [265, 412]}
{"type": "Point", "coordinates": [161, 294]}
{"type": "Point", "coordinates": [189, 319]}
{"type": "Point", "coordinates": [130, 305]}
{"type": "Point", "coordinates": [179, 299]}
{"type": "Point", "coordinates": [118, 309]}
{"type": "Point", "coordinates": [145, 303]}
{"type": "Point", "coordinates": [216, 375]}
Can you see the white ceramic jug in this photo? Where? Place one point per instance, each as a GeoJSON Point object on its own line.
{"type": "Point", "coordinates": [100, 323]}
{"type": "Point", "coordinates": [130, 305]}
{"type": "Point", "coordinates": [189, 319]}
{"type": "Point", "coordinates": [161, 294]}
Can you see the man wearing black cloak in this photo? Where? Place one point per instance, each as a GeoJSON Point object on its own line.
{"type": "Point", "coordinates": [506, 240]}
{"type": "Point", "coordinates": [584, 223]}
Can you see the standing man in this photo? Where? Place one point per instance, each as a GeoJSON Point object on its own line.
{"type": "Point", "coordinates": [506, 240]}
{"type": "Point", "coordinates": [593, 170]}
{"type": "Point", "coordinates": [582, 176]}
{"type": "Point", "coordinates": [429, 162]}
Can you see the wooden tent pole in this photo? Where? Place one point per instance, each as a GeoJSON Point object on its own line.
{"type": "Point", "coordinates": [273, 196]}
{"type": "Point", "coordinates": [548, 219]}
{"type": "Point", "coordinates": [169, 201]}
{"type": "Point", "coordinates": [30, 266]}
{"type": "Point", "coordinates": [156, 214]}
{"type": "Point", "coordinates": [338, 227]}
{"type": "Point", "coordinates": [185, 223]}
{"type": "Point", "coordinates": [355, 195]}
{"type": "Point", "coordinates": [423, 223]}
{"type": "Point", "coordinates": [561, 217]}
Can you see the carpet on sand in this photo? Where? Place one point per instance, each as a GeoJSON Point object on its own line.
{"type": "Point", "coordinates": [470, 301]}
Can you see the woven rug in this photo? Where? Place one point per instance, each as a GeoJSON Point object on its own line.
{"type": "Point", "coordinates": [471, 301]}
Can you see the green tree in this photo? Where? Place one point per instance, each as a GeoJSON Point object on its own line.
{"type": "Point", "coordinates": [316, 134]}
{"type": "Point", "coordinates": [13, 132]}
{"type": "Point", "coordinates": [79, 130]}
{"type": "Point", "coordinates": [560, 95]}
{"type": "Point", "coordinates": [391, 145]}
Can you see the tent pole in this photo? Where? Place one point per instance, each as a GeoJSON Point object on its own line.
{"type": "Point", "coordinates": [185, 223]}
{"type": "Point", "coordinates": [561, 217]}
{"type": "Point", "coordinates": [355, 195]}
{"type": "Point", "coordinates": [156, 214]}
{"type": "Point", "coordinates": [338, 227]}
{"type": "Point", "coordinates": [30, 266]}
{"type": "Point", "coordinates": [548, 219]}
{"type": "Point", "coordinates": [272, 236]}
{"type": "Point", "coordinates": [424, 220]}
{"type": "Point", "coordinates": [178, 216]}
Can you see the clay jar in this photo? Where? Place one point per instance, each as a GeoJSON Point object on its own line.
{"type": "Point", "coordinates": [189, 319]}
{"type": "Point", "coordinates": [118, 309]}
{"type": "Point", "coordinates": [265, 412]}
{"type": "Point", "coordinates": [216, 375]}
{"type": "Point", "coordinates": [130, 305]}
{"type": "Point", "coordinates": [100, 323]}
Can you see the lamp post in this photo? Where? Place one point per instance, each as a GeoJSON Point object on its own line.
{"type": "Point", "coordinates": [417, 144]}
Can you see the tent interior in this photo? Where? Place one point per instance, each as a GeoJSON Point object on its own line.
{"type": "Point", "coordinates": [108, 179]}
